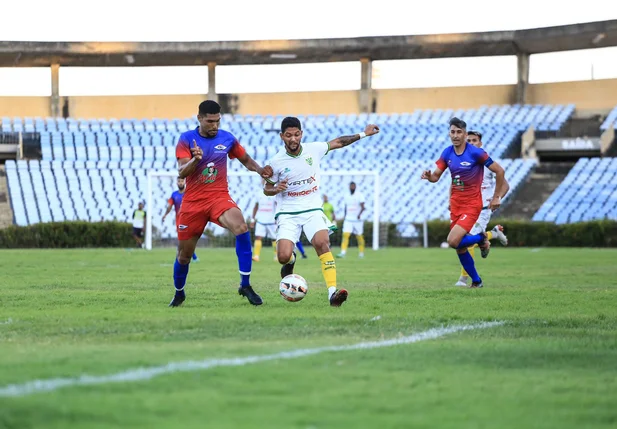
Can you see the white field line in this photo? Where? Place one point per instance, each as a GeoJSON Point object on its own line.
{"type": "Point", "coordinates": [141, 374]}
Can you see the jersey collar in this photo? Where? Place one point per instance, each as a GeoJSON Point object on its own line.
{"type": "Point", "coordinates": [295, 156]}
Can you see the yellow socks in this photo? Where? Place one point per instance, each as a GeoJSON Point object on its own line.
{"type": "Point", "coordinates": [361, 243]}
{"type": "Point", "coordinates": [328, 268]}
{"type": "Point", "coordinates": [470, 250]}
{"type": "Point", "coordinates": [257, 249]}
{"type": "Point", "coordinates": [489, 235]}
{"type": "Point", "coordinates": [345, 242]}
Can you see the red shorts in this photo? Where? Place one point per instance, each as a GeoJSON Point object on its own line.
{"type": "Point", "coordinates": [193, 217]}
{"type": "Point", "coordinates": [465, 219]}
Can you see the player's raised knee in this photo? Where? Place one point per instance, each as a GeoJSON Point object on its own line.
{"type": "Point", "coordinates": [283, 256]}
{"type": "Point", "coordinates": [453, 241]}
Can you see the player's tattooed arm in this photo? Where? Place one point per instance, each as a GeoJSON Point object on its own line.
{"type": "Point", "coordinates": [339, 142]}
{"type": "Point", "coordinates": [272, 189]}
{"type": "Point", "coordinates": [252, 165]}
{"type": "Point", "coordinates": [187, 166]}
{"type": "Point", "coordinates": [501, 186]}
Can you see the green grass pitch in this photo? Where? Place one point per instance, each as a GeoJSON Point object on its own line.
{"type": "Point", "coordinates": [553, 364]}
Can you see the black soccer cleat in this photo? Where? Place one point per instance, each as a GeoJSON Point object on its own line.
{"type": "Point", "coordinates": [476, 285]}
{"type": "Point", "coordinates": [485, 246]}
{"type": "Point", "coordinates": [251, 295]}
{"type": "Point", "coordinates": [178, 300]}
{"type": "Point", "coordinates": [288, 269]}
{"type": "Point", "coordinates": [304, 256]}
{"type": "Point", "coordinates": [338, 298]}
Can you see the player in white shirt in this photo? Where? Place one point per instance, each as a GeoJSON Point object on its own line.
{"type": "Point", "coordinates": [488, 190]}
{"type": "Point", "coordinates": [353, 223]}
{"type": "Point", "coordinates": [295, 183]}
{"type": "Point", "coordinates": [265, 226]}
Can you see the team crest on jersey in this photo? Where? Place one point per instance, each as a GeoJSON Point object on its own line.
{"type": "Point", "coordinates": [210, 172]}
{"type": "Point", "coordinates": [309, 160]}
{"type": "Point", "coordinates": [286, 170]}
{"type": "Point", "coordinates": [465, 164]}
{"type": "Point", "coordinates": [220, 147]}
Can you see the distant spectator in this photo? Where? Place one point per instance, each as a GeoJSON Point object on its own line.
{"type": "Point", "coordinates": [139, 224]}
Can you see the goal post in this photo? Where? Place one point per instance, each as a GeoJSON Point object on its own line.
{"type": "Point", "coordinates": [153, 186]}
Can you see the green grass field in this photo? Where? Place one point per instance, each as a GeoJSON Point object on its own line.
{"type": "Point", "coordinates": [553, 364]}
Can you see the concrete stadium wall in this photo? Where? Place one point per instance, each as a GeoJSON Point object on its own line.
{"type": "Point", "coordinates": [586, 95]}
{"type": "Point", "coordinates": [299, 103]}
{"type": "Point", "coordinates": [25, 106]}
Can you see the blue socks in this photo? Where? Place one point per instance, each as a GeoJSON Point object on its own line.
{"type": "Point", "coordinates": [180, 273]}
{"type": "Point", "coordinates": [300, 247]}
{"type": "Point", "coordinates": [469, 266]}
{"type": "Point", "coordinates": [194, 256]}
{"type": "Point", "coordinates": [245, 257]}
{"type": "Point", "coordinates": [470, 240]}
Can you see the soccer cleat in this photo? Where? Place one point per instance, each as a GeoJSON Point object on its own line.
{"type": "Point", "coordinates": [485, 246]}
{"type": "Point", "coordinates": [462, 281]}
{"type": "Point", "coordinates": [476, 285]}
{"type": "Point", "coordinates": [340, 255]}
{"type": "Point", "coordinates": [304, 256]}
{"type": "Point", "coordinates": [250, 294]}
{"type": "Point", "coordinates": [361, 255]}
{"type": "Point", "coordinates": [338, 298]}
{"type": "Point", "coordinates": [178, 299]}
{"type": "Point", "coordinates": [255, 258]}
{"type": "Point", "coordinates": [288, 269]}
{"type": "Point", "coordinates": [499, 235]}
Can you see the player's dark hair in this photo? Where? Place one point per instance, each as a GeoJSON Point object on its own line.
{"type": "Point", "coordinates": [209, 107]}
{"type": "Point", "coordinates": [352, 183]}
{"type": "Point", "coordinates": [458, 123]}
{"type": "Point", "coordinates": [475, 133]}
{"type": "Point", "coordinates": [290, 122]}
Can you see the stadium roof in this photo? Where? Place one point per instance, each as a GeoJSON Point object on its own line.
{"type": "Point", "coordinates": [549, 39]}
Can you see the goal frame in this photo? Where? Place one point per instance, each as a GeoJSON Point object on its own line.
{"type": "Point", "coordinates": [345, 173]}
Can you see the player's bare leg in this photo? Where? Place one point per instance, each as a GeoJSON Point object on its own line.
{"type": "Point", "coordinates": [321, 243]}
{"type": "Point", "coordinates": [286, 256]}
{"type": "Point", "coordinates": [186, 249]}
{"type": "Point", "coordinates": [460, 240]}
{"type": "Point", "coordinates": [233, 220]}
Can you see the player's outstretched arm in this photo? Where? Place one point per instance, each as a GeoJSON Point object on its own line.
{"type": "Point", "coordinates": [432, 176]}
{"type": "Point", "coordinates": [339, 142]}
{"type": "Point", "coordinates": [169, 206]}
{"type": "Point", "coordinates": [271, 189]}
{"type": "Point", "coordinates": [252, 165]}
{"type": "Point", "coordinates": [501, 187]}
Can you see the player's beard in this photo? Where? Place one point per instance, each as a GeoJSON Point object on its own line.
{"type": "Point", "coordinates": [292, 147]}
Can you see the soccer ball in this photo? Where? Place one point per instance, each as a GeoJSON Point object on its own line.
{"type": "Point", "coordinates": [293, 288]}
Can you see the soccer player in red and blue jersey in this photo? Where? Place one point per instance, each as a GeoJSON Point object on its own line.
{"type": "Point", "coordinates": [175, 202]}
{"type": "Point", "coordinates": [466, 163]}
{"type": "Point", "coordinates": [202, 159]}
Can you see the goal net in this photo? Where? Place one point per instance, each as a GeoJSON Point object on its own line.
{"type": "Point", "coordinates": [245, 188]}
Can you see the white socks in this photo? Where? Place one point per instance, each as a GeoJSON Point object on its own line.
{"type": "Point", "coordinates": [331, 291]}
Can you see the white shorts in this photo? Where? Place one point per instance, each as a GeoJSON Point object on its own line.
{"type": "Point", "coordinates": [290, 227]}
{"type": "Point", "coordinates": [265, 230]}
{"type": "Point", "coordinates": [482, 222]}
{"type": "Point", "coordinates": [353, 227]}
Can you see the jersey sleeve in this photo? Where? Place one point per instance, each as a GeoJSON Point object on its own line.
{"type": "Point", "coordinates": [321, 149]}
{"type": "Point", "coordinates": [183, 148]}
{"type": "Point", "coordinates": [237, 150]}
{"type": "Point", "coordinates": [481, 157]}
{"type": "Point", "coordinates": [275, 175]}
{"type": "Point", "coordinates": [361, 199]}
{"type": "Point", "coordinates": [170, 201]}
{"type": "Point", "coordinates": [442, 162]}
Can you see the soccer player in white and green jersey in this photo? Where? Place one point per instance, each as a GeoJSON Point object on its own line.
{"type": "Point", "coordinates": [296, 185]}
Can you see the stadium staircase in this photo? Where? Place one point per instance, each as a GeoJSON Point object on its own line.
{"type": "Point", "coordinates": [6, 214]}
{"type": "Point", "coordinates": [539, 185]}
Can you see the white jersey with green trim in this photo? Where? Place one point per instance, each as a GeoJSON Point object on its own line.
{"type": "Point", "coordinates": [302, 173]}
{"type": "Point", "coordinates": [488, 187]}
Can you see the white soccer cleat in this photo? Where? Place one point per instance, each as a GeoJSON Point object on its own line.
{"type": "Point", "coordinates": [255, 258]}
{"type": "Point", "coordinates": [499, 235]}
{"type": "Point", "coordinates": [361, 255]}
{"type": "Point", "coordinates": [462, 281]}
